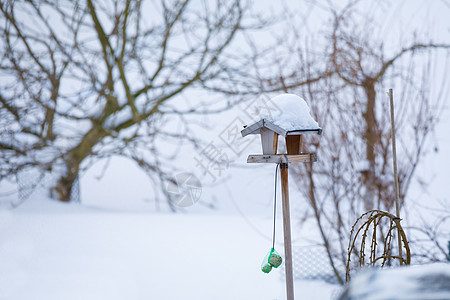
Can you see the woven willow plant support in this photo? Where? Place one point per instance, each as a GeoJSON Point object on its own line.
{"type": "Point", "coordinates": [368, 232]}
{"type": "Point", "coordinates": [373, 224]}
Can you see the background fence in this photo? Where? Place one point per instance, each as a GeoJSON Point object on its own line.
{"type": "Point", "coordinates": [34, 182]}
{"type": "Point", "coordinates": [312, 263]}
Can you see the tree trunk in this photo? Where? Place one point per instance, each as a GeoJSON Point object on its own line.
{"type": "Point", "coordinates": [73, 160]}
{"type": "Point", "coordinates": [371, 122]}
{"type": "Point", "coordinates": [370, 136]}
{"type": "Point", "coordinates": [63, 188]}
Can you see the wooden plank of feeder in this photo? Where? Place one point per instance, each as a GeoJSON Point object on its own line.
{"type": "Point", "coordinates": [274, 127]}
{"type": "Point", "coordinates": [287, 231]}
{"type": "Point", "coordinates": [269, 141]}
{"type": "Point", "coordinates": [263, 123]}
{"type": "Point", "coordinates": [303, 131]}
{"type": "Point", "coordinates": [281, 158]}
{"type": "Point", "coordinates": [252, 128]}
{"type": "Point", "coordinates": [294, 144]}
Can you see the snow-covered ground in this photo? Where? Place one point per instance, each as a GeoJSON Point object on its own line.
{"type": "Point", "coordinates": [51, 250]}
{"type": "Point", "coordinates": [425, 282]}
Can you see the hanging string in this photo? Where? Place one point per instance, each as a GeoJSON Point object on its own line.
{"type": "Point", "coordinates": [274, 207]}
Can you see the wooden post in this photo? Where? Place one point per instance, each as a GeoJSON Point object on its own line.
{"type": "Point", "coordinates": [287, 231]}
{"type": "Point", "coordinates": [394, 161]}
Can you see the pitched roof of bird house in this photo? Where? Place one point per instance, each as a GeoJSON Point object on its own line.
{"type": "Point", "coordinates": [255, 129]}
{"type": "Point", "coordinates": [293, 118]}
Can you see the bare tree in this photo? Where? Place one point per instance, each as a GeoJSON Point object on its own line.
{"type": "Point", "coordinates": [349, 100]}
{"type": "Point", "coordinates": [84, 80]}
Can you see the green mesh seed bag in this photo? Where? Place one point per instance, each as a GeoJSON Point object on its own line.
{"type": "Point", "coordinates": [266, 268]}
{"type": "Point", "coordinates": [275, 259]}
{"type": "Point", "coordinates": [272, 259]}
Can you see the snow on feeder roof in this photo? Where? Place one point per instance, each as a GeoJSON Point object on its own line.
{"type": "Point", "coordinates": [293, 120]}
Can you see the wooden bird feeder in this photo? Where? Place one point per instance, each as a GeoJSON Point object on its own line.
{"type": "Point", "coordinates": [269, 140]}
{"type": "Point", "coordinates": [270, 129]}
